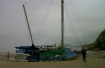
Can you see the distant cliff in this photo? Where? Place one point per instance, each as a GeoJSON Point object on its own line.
{"type": "Point", "coordinates": [100, 42]}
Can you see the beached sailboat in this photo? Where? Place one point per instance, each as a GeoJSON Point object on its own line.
{"type": "Point", "coordinates": [33, 53]}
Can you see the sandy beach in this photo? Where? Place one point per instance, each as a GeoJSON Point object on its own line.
{"type": "Point", "coordinates": [95, 59]}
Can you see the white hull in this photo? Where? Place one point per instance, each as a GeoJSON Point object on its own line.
{"type": "Point", "coordinates": [21, 57]}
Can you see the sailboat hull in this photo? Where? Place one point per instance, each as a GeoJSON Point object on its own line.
{"type": "Point", "coordinates": [21, 57]}
{"type": "Point", "coordinates": [49, 55]}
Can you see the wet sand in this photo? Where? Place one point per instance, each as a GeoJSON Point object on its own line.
{"type": "Point", "coordinates": [94, 60]}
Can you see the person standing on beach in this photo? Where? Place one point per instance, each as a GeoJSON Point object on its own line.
{"type": "Point", "coordinates": [8, 54]}
{"type": "Point", "coordinates": [83, 51]}
{"type": "Point", "coordinates": [38, 55]}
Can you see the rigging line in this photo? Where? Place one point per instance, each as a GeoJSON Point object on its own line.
{"type": "Point", "coordinates": [17, 28]}
{"type": "Point", "coordinates": [71, 26]}
{"type": "Point", "coordinates": [80, 27]}
{"type": "Point", "coordinates": [78, 21]}
{"type": "Point", "coordinates": [85, 65]}
{"type": "Point", "coordinates": [43, 22]}
{"type": "Point", "coordinates": [27, 1]}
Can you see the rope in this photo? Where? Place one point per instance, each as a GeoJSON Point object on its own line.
{"type": "Point", "coordinates": [79, 25]}
{"type": "Point", "coordinates": [78, 21]}
{"type": "Point", "coordinates": [71, 26]}
{"type": "Point", "coordinates": [85, 65]}
{"type": "Point", "coordinates": [27, 2]}
{"type": "Point", "coordinates": [43, 22]}
{"type": "Point", "coordinates": [73, 32]}
{"type": "Point", "coordinates": [17, 28]}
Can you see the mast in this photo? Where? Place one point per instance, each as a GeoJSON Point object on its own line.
{"type": "Point", "coordinates": [28, 25]}
{"type": "Point", "coordinates": [62, 23]}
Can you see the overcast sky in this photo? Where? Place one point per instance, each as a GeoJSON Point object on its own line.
{"type": "Point", "coordinates": [86, 19]}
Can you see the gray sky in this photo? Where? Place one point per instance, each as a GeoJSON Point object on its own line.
{"type": "Point", "coordinates": [88, 15]}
